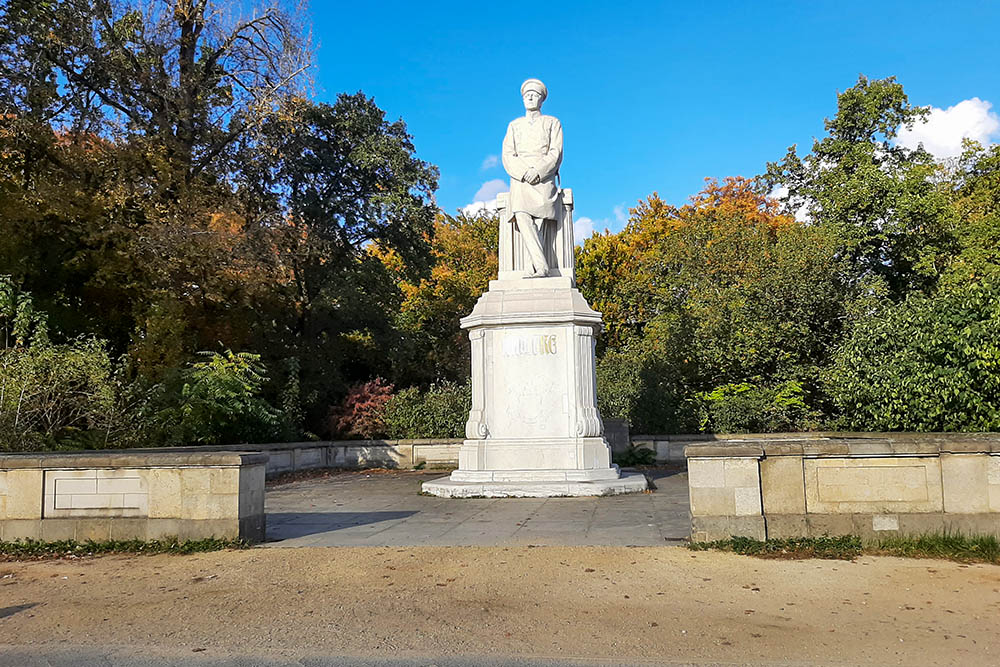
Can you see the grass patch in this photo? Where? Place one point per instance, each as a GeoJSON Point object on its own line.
{"type": "Point", "coordinates": [846, 547]}
{"type": "Point", "coordinates": [39, 550]}
{"type": "Point", "coordinates": [975, 549]}
{"type": "Point", "coordinates": [945, 546]}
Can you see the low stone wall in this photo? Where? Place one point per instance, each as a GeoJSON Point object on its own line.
{"type": "Point", "coordinates": [404, 454]}
{"type": "Point", "coordinates": [670, 448]}
{"type": "Point", "coordinates": [285, 457]}
{"type": "Point", "coordinates": [132, 495]}
{"type": "Point", "coordinates": [867, 484]}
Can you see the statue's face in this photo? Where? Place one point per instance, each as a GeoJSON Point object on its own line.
{"type": "Point", "coordinates": [532, 101]}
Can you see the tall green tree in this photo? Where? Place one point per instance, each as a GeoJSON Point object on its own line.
{"type": "Point", "coordinates": [431, 345]}
{"type": "Point", "coordinates": [725, 290]}
{"type": "Point", "coordinates": [119, 128]}
{"type": "Point", "coordinates": [331, 184]}
{"type": "Point", "coordinates": [879, 198]}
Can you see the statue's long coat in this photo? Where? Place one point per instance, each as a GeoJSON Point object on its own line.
{"type": "Point", "coordinates": [534, 143]}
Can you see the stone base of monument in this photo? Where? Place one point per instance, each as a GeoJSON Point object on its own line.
{"type": "Point", "coordinates": [534, 429]}
{"type": "Point", "coordinates": [536, 484]}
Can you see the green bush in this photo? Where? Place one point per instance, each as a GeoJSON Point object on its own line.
{"type": "Point", "coordinates": [643, 390]}
{"type": "Point", "coordinates": [212, 402]}
{"type": "Point", "coordinates": [748, 408]}
{"type": "Point", "coordinates": [439, 412]}
{"type": "Point", "coordinates": [931, 363]}
{"type": "Point", "coordinates": [635, 456]}
{"type": "Point", "coordinates": [55, 396]}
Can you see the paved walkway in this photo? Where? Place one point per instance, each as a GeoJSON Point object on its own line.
{"type": "Point", "coordinates": [386, 509]}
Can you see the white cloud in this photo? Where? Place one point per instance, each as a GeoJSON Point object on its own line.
{"type": "Point", "coordinates": [489, 162]}
{"type": "Point", "coordinates": [485, 199]}
{"type": "Point", "coordinates": [477, 207]}
{"type": "Point", "coordinates": [780, 193]}
{"type": "Point", "coordinates": [583, 228]}
{"type": "Point", "coordinates": [621, 214]}
{"type": "Point", "coordinates": [490, 190]}
{"type": "Point", "coordinates": [944, 130]}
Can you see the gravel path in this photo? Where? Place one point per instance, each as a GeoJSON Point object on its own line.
{"type": "Point", "coordinates": [489, 605]}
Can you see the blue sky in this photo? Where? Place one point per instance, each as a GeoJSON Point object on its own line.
{"type": "Point", "coordinates": [652, 96]}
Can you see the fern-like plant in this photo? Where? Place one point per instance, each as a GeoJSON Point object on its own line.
{"type": "Point", "coordinates": [219, 402]}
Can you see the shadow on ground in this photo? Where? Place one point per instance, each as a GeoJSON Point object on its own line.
{"type": "Point", "coordinates": [290, 525]}
{"type": "Point", "coordinates": [10, 611]}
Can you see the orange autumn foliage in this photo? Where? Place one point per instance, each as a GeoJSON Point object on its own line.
{"type": "Point", "coordinates": [619, 273]}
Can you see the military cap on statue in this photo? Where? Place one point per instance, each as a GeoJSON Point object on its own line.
{"type": "Point", "coordinates": [535, 85]}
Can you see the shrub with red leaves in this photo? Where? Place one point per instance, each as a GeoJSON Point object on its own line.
{"type": "Point", "coordinates": [362, 413]}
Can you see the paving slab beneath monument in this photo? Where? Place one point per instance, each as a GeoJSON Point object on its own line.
{"type": "Point", "coordinates": [385, 509]}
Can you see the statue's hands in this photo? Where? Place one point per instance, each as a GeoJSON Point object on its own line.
{"type": "Point", "coordinates": [531, 177]}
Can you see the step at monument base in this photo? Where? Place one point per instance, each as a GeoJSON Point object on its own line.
{"type": "Point", "coordinates": [534, 484]}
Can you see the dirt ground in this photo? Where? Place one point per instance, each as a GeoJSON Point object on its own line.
{"type": "Point", "coordinates": [658, 604]}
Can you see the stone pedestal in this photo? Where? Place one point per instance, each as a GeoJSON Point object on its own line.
{"type": "Point", "coordinates": [534, 428]}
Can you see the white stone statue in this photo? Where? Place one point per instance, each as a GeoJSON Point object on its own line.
{"type": "Point", "coordinates": [534, 428]}
{"type": "Point", "coordinates": [532, 153]}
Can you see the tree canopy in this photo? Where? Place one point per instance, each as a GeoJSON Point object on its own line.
{"type": "Point", "coordinates": [193, 250]}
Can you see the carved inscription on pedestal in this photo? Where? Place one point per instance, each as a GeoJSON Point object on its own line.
{"type": "Point", "coordinates": [532, 345]}
{"type": "Point", "coordinates": [528, 383]}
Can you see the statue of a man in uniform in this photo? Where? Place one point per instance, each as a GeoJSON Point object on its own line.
{"type": "Point", "coordinates": [532, 153]}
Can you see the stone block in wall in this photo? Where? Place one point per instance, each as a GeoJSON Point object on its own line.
{"type": "Point", "coordinates": [785, 526]}
{"type": "Point", "coordinates": [711, 528]}
{"type": "Point", "coordinates": [669, 451]}
{"type": "Point", "coordinates": [706, 473]}
{"type": "Point", "coordinates": [965, 480]}
{"type": "Point", "coordinates": [280, 461]}
{"type": "Point", "coordinates": [675, 451]}
{"type": "Point", "coordinates": [782, 486]}
{"type": "Point", "coordinates": [872, 485]}
{"type": "Point", "coordinates": [337, 457]}
{"type": "Point", "coordinates": [661, 448]}
{"type": "Point", "coordinates": [159, 529]}
{"type": "Point", "coordinates": [437, 454]}
{"type": "Point", "coordinates": [617, 434]}
{"type": "Point", "coordinates": [165, 492]}
{"type": "Point", "coordinates": [196, 481]}
{"type": "Point", "coordinates": [210, 506]}
{"type": "Point", "coordinates": [829, 524]}
{"type": "Point", "coordinates": [129, 528]}
{"type": "Point", "coordinates": [724, 486]}
{"type": "Point", "coordinates": [971, 524]}
{"type": "Point", "coordinates": [24, 494]}
{"type": "Point", "coordinates": [993, 482]}
{"type": "Point", "coordinates": [380, 455]}
{"type": "Point", "coordinates": [646, 443]}
{"type": "Point", "coordinates": [98, 530]}
{"type": "Point", "coordinates": [57, 530]}
{"type": "Point", "coordinates": [20, 529]}
{"type": "Point", "coordinates": [309, 458]}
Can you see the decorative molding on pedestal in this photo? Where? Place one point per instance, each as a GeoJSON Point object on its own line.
{"type": "Point", "coordinates": [476, 426]}
{"type": "Point", "coordinates": [534, 429]}
{"type": "Point", "coordinates": [588, 421]}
